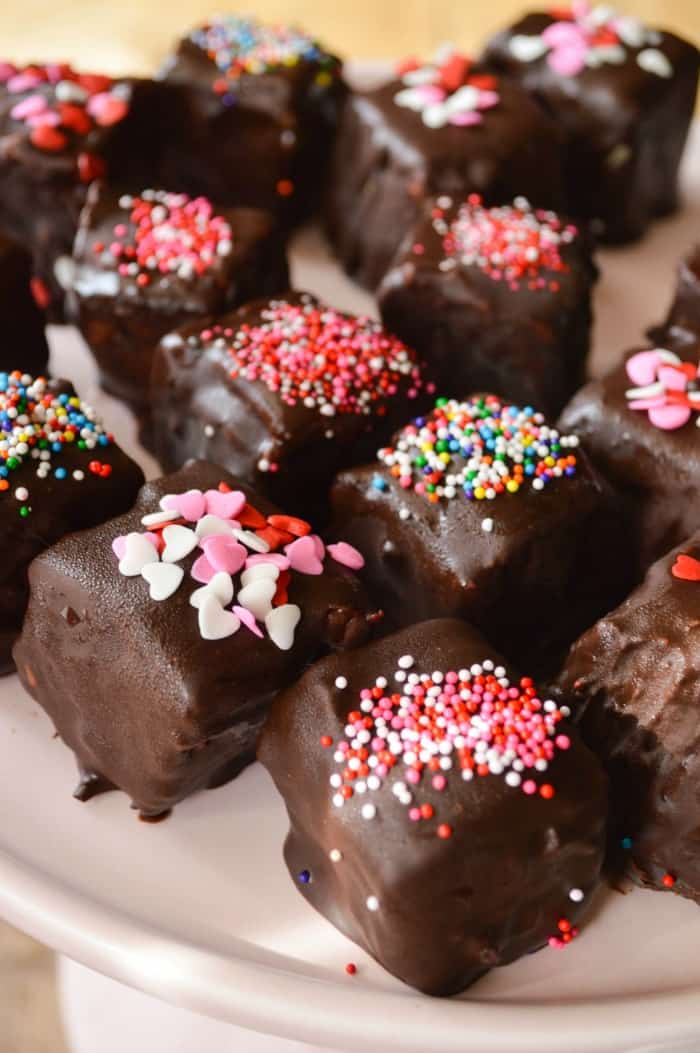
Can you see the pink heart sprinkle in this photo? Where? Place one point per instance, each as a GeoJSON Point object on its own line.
{"type": "Point", "coordinates": [320, 547]}
{"type": "Point", "coordinates": [567, 61]}
{"type": "Point", "coordinates": [303, 556]}
{"type": "Point", "coordinates": [464, 120]}
{"type": "Point", "coordinates": [225, 506]}
{"type": "Point", "coordinates": [223, 552]}
{"type": "Point", "coordinates": [28, 107]}
{"type": "Point", "coordinates": [430, 93]}
{"type": "Point", "coordinates": [563, 34]}
{"type": "Point", "coordinates": [642, 368]}
{"type": "Point", "coordinates": [248, 619]}
{"type": "Point", "coordinates": [46, 119]}
{"type": "Point", "coordinates": [119, 543]}
{"type": "Point", "coordinates": [23, 82]}
{"type": "Point", "coordinates": [673, 379]}
{"type": "Point", "coordinates": [202, 570]}
{"type": "Point", "coordinates": [107, 109]}
{"type": "Point", "coordinates": [346, 555]}
{"type": "Point", "coordinates": [276, 558]}
{"type": "Point", "coordinates": [668, 418]}
{"type": "Point", "coordinates": [191, 505]}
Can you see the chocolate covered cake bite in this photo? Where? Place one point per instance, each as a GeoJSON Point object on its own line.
{"type": "Point", "coordinates": [682, 325]}
{"type": "Point", "coordinates": [637, 675]}
{"type": "Point", "coordinates": [205, 601]}
{"type": "Point", "coordinates": [495, 299]}
{"type": "Point", "coordinates": [639, 424]}
{"type": "Point", "coordinates": [21, 318]}
{"type": "Point", "coordinates": [443, 814]}
{"type": "Point", "coordinates": [483, 511]}
{"type": "Point", "coordinates": [261, 107]}
{"type": "Point", "coordinates": [444, 127]}
{"type": "Point", "coordinates": [283, 393]}
{"type": "Point", "coordinates": [150, 262]}
{"type": "Point", "coordinates": [624, 96]}
{"type": "Point", "coordinates": [60, 471]}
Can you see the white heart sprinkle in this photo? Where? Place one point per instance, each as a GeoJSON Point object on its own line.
{"type": "Point", "coordinates": [257, 597]}
{"type": "Point", "coordinates": [156, 518]}
{"type": "Point", "coordinates": [465, 98]}
{"type": "Point", "coordinates": [423, 75]}
{"type": "Point", "coordinates": [252, 541]}
{"type": "Point", "coordinates": [220, 586]}
{"type": "Point", "coordinates": [630, 31]}
{"type": "Point", "coordinates": [526, 48]}
{"type": "Point", "coordinates": [179, 542]}
{"type": "Point", "coordinates": [210, 524]}
{"type": "Point", "coordinates": [281, 623]}
{"type": "Point", "coordinates": [651, 60]}
{"type": "Point", "coordinates": [215, 623]}
{"type": "Point", "coordinates": [138, 551]}
{"type": "Point", "coordinates": [258, 571]}
{"type": "Point", "coordinates": [164, 579]}
{"type": "Point", "coordinates": [410, 99]}
{"type": "Point", "coordinates": [436, 115]}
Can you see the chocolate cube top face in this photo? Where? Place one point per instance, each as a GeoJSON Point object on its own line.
{"type": "Point", "coordinates": [60, 471]}
{"type": "Point", "coordinates": [21, 318]}
{"type": "Point", "coordinates": [682, 326]}
{"type": "Point", "coordinates": [495, 299]}
{"type": "Point", "coordinates": [639, 424]}
{"type": "Point", "coordinates": [283, 393]}
{"type": "Point", "coordinates": [446, 858]}
{"type": "Point", "coordinates": [479, 510]}
{"type": "Point", "coordinates": [623, 93]}
{"type": "Point", "coordinates": [204, 602]}
{"type": "Point", "coordinates": [638, 674]}
{"type": "Point", "coordinates": [397, 145]}
{"type": "Point", "coordinates": [149, 262]}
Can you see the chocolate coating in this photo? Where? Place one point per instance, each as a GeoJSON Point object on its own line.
{"type": "Point", "coordinates": [657, 472]}
{"type": "Point", "coordinates": [625, 126]}
{"type": "Point", "coordinates": [199, 409]}
{"type": "Point", "coordinates": [637, 673]}
{"type": "Point", "coordinates": [480, 334]}
{"type": "Point", "coordinates": [24, 343]}
{"type": "Point", "coordinates": [188, 710]}
{"type": "Point", "coordinates": [449, 908]}
{"type": "Point", "coordinates": [682, 325]}
{"type": "Point", "coordinates": [122, 320]}
{"type": "Point", "coordinates": [387, 161]}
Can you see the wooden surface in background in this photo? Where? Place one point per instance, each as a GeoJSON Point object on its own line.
{"type": "Point", "coordinates": [135, 34]}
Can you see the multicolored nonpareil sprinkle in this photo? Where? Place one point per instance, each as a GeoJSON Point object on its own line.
{"type": "Point", "coordinates": [512, 243]}
{"type": "Point", "coordinates": [446, 90]}
{"type": "Point", "coordinates": [479, 449]}
{"type": "Point", "coordinates": [39, 424]}
{"type": "Point", "coordinates": [245, 561]}
{"type": "Point", "coordinates": [666, 388]}
{"type": "Point", "coordinates": [587, 36]}
{"type": "Point", "coordinates": [162, 233]}
{"type": "Point", "coordinates": [320, 358]}
{"type": "Point", "coordinates": [429, 728]}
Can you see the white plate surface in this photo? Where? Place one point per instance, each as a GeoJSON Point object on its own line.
{"type": "Point", "coordinates": [199, 910]}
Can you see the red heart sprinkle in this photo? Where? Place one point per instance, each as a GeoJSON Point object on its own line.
{"type": "Point", "coordinates": [453, 73]}
{"type": "Point", "coordinates": [74, 117]}
{"type": "Point", "coordinates": [40, 292]}
{"type": "Point", "coordinates": [44, 137]}
{"type": "Point", "coordinates": [291, 524]}
{"type": "Point", "coordinates": [686, 568]}
{"type": "Point", "coordinates": [90, 167]}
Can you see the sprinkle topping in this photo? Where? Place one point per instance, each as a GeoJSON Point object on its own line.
{"type": "Point", "coordinates": [686, 568]}
{"type": "Point", "coordinates": [587, 36]}
{"type": "Point", "coordinates": [446, 90]}
{"type": "Point", "coordinates": [37, 423]}
{"type": "Point", "coordinates": [325, 360]}
{"type": "Point", "coordinates": [163, 233]}
{"type": "Point", "coordinates": [665, 386]}
{"type": "Point", "coordinates": [479, 448]}
{"type": "Point", "coordinates": [512, 243]}
{"type": "Point", "coordinates": [433, 727]}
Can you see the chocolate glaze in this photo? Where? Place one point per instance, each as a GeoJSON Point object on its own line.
{"type": "Point", "coordinates": [58, 507]}
{"type": "Point", "coordinates": [682, 325]}
{"type": "Point", "coordinates": [122, 322]}
{"type": "Point", "coordinates": [637, 674]}
{"type": "Point", "coordinates": [449, 909]}
{"type": "Point", "coordinates": [625, 127]}
{"type": "Point", "coordinates": [187, 711]}
{"type": "Point", "coordinates": [387, 161]}
{"type": "Point", "coordinates": [479, 334]}
{"type": "Point", "coordinates": [199, 410]}
{"type": "Point", "coordinates": [24, 343]}
{"type": "Point", "coordinates": [656, 472]}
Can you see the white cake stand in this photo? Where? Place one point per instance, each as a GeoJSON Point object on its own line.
{"type": "Point", "coordinates": [189, 934]}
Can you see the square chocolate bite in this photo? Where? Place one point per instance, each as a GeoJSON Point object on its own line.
{"type": "Point", "coordinates": [624, 96]}
{"type": "Point", "coordinates": [443, 127]}
{"type": "Point", "coordinates": [481, 510]}
{"type": "Point", "coordinates": [148, 262]}
{"type": "Point", "coordinates": [443, 813]}
{"type": "Point", "coordinates": [637, 675]}
{"type": "Point", "coordinates": [261, 106]}
{"type": "Point", "coordinates": [157, 642]}
{"type": "Point", "coordinates": [495, 299]}
{"type": "Point", "coordinates": [21, 318]}
{"type": "Point", "coordinates": [639, 424]}
{"type": "Point", "coordinates": [682, 325]}
{"type": "Point", "coordinates": [60, 471]}
{"type": "Point", "coordinates": [283, 393]}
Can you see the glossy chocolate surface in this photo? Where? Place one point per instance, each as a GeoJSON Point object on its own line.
{"type": "Point", "coordinates": [24, 343]}
{"type": "Point", "coordinates": [682, 325]}
{"type": "Point", "coordinates": [436, 910]}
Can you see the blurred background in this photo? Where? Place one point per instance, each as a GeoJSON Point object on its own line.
{"type": "Point", "coordinates": [133, 36]}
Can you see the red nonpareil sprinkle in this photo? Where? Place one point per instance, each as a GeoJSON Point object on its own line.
{"type": "Point", "coordinates": [668, 880]}
{"type": "Point", "coordinates": [351, 968]}
{"type": "Point", "coordinates": [326, 741]}
{"type": "Point", "coordinates": [40, 292]}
